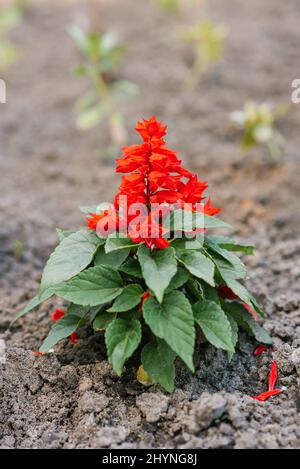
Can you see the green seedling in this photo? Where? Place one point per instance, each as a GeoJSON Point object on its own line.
{"type": "Point", "coordinates": [207, 40]}
{"type": "Point", "coordinates": [103, 56]}
{"type": "Point", "coordinates": [257, 122]}
{"type": "Point", "coordinates": [10, 17]}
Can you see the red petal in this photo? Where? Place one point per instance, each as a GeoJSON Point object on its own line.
{"type": "Point", "coordinates": [74, 338]}
{"type": "Point", "coordinates": [273, 376]}
{"type": "Point", "coordinates": [266, 395]}
{"type": "Point", "coordinates": [259, 350]}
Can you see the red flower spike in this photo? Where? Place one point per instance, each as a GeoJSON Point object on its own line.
{"type": "Point", "coordinates": [266, 395]}
{"type": "Point", "coordinates": [74, 338]}
{"type": "Point", "coordinates": [57, 314]}
{"type": "Point", "coordinates": [273, 376]}
{"type": "Point", "coordinates": [156, 176]}
{"type": "Point", "coordinates": [259, 350]}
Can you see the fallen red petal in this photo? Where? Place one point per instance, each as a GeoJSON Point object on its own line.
{"type": "Point", "coordinates": [39, 353]}
{"type": "Point", "coordinates": [266, 395]}
{"type": "Point", "coordinates": [273, 376]}
{"type": "Point", "coordinates": [259, 350]}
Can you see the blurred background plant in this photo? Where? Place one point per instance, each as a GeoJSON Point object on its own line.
{"type": "Point", "coordinates": [207, 40]}
{"type": "Point", "coordinates": [169, 6]}
{"type": "Point", "coordinates": [103, 56]}
{"type": "Point", "coordinates": [257, 122]}
{"type": "Point", "coordinates": [11, 16]}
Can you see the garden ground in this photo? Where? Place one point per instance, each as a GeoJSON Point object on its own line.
{"type": "Point", "coordinates": [48, 168]}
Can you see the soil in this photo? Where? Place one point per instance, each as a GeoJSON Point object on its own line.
{"type": "Point", "coordinates": [72, 399]}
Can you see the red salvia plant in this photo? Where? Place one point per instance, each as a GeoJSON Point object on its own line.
{"type": "Point", "coordinates": [146, 271]}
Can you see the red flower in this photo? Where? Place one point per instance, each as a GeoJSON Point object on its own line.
{"type": "Point", "coordinates": [273, 376]}
{"type": "Point", "coordinates": [259, 350]}
{"type": "Point", "coordinates": [156, 176]}
{"type": "Point", "coordinates": [210, 209]}
{"type": "Point", "coordinates": [226, 293]}
{"type": "Point", "coordinates": [57, 314]}
{"type": "Point", "coordinates": [151, 129]}
{"type": "Point", "coordinates": [104, 223]}
{"type": "Point", "coordinates": [74, 338]}
{"type": "Point", "coordinates": [266, 395]}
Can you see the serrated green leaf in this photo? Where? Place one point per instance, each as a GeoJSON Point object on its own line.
{"type": "Point", "coordinates": [214, 324]}
{"type": "Point", "coordinates": [179, 279]}
{"type": "Point", "coordinates": [113, 259]}
{"type": "Point", "coordinates": [129, 298]}
{"type": "Point", "coordinates": [103, 320]}
{"type": "Point", "coordinates": [234, 334]}
{"type": "Point", "coordinates": [173, 321]}
{"type": "Point", "coordinates": [114, 244]}
{"type": "Point", "coordinates": [95, 286]}
{"type": "Point", "coordinates": [247, 322]}
{"type": "Point", "coordinates": [185, 244]}
{"type": "Point", "coordinates": [61, 330]}
{"type": "Point", "coordinates": [62, 234]}
{"type": "Point", "coordinates": [244, 295]}
{"type": "Point", "coordinates": [34, 303]}
{"type": "Point", "coordinates": [158, 268]}
{"type": "Point", "coordinates": [70, 257]}
{"type": "Point", "coordinates": [122, 337]}
{"type": "Point", "coordinates": [132, 268]}
{"type": "Point", "coordinates": [78, 310]}
{"type": "Point", "coordinates": [199, 265]}
{"type": "Point", "coordinates": [230, 245]}
{"type": "Point", "coordinates": [229, 269]}
{"type": "Point", "coordinates": [213, 222]}
{"type": "Point", "coordinates": [158, 361]}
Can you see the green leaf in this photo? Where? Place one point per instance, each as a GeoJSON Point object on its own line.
{"type": "Point", "coordinates": [129, 298]}
{"type": "Point", "coordinates": [132, 268]}
{"type": "Point", "coordinates": [213, 222]}
{"type": "Point", "coordinates": [158, 361]}
{"type": "Point", "coordinates": [60, 330]}
{"type": "Point", "coordinates": [179, 279]}
{"type": "Point", "coordinates": [102, 321]}
{"type": "Point", "coordinates": [185, 244]}
{"type": "Point", "coordinates": [158, 268]}
{"type": "Point", "coordinates": [114, 244]}
{"type": "Point", "coordinates": [199, 265]}
{"type": "Point", "coordinates": [88, 209]}
{"type": "Point", "coordinates": [78, 310]}
{"type": "Point", "coordinates": [34, 303]}
{"type": "Point", "coordinates": [122, 338]}
{"type": "Point", "coordinates": [214, 324]}
{"type": "Point", "coordinates": [70, 257]}
{"type": "Point", "coordinates": [95, 286]}
{"type": "Point", "coordinates": [62, 234]}
{"type": "Point", "coordinates": [229, 244]}
{"type": "Point", "coordinates": [244, 295]}
{"type": "Point", "coordinates": [173, 322]}
{"type": "Point", "coordinates": [113, 259]}
{"type": "Point", "coordinates": [247, 322]}
{"type": "Point", "coordinates": [234, 334]}
{"type": "Point", "coordinates": [229, 269]}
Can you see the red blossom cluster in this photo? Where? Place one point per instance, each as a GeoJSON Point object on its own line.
{"type": "Point", "coordinates": [154, 176]}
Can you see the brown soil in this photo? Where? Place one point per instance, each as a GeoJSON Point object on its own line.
{"type": "Point", "coordinates": [48, 168]}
